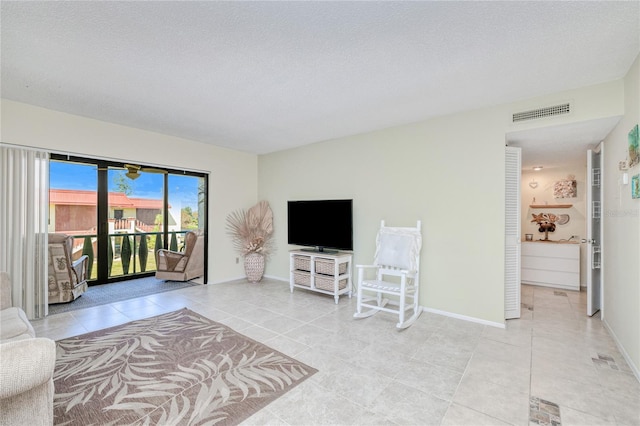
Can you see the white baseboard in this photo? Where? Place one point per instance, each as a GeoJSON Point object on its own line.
{"type": "Point", "coordinates": [244, 277]}
{"type": "Point", "coordinates": [272, 277]}
{"type": "Point", "coordinates": [634, 368]}
{"type": "Point", "coordinates": [464, 317]}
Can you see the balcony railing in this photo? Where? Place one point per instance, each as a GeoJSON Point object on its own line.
{"type": "Point", "coordinates": [128, 253]}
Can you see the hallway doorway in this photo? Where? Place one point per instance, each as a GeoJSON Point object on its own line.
{"type": "Point", "coordinates": [554, 159]}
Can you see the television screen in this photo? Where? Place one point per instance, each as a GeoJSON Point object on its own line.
{"type": "Point", "coordinates": [321, 224]}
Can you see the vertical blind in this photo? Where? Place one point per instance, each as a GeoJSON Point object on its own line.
{"type": "Point", "coordinates": [24, 213]}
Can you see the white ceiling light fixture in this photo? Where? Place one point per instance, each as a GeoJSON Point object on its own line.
{"type": "Point", "coordinates": [537, 168]}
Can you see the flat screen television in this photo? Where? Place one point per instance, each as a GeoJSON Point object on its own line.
{"type": "Point", "coordinates": [321, 224]}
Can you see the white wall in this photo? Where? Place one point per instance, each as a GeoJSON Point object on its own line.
{"type": "Point", "coordinates": [232, 174]}
{"type": "Point", "coordinates": [434, 171]}
{"type": "Point", "coordinates": [543, 194]}
{"type": "Point", "coordinates": [621, 246]}
{"type": "Point", "coordinates": [447, 171]}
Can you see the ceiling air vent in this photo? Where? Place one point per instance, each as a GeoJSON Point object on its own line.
{"type": "Point", "coordinates": [534, 114]}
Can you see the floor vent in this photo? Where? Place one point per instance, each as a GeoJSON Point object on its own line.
{"type": "Point", "coordinates": [534, 114]}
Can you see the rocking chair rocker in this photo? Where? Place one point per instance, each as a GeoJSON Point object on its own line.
{"type": "Point", "coordinates": [397, 266]}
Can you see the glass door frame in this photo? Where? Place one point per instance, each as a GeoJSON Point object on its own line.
{"type": "Point", "coordinates": [103, 213]}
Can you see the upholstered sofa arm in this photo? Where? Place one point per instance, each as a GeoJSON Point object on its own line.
{"type": "Point", "coordinates": [5, 291]}
{"type": "Point", "coordinates": [171, 261]}
{"type": "Point", "coordinates": [80, 267]}
{"type": "Point", "coordinates": [26, 364]}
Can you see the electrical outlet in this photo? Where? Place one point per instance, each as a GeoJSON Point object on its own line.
{"type": "Point", "coordinates": [237, 260]}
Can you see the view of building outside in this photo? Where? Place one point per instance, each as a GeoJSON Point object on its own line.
{"type": "Point", "coordinates": [135, 214]}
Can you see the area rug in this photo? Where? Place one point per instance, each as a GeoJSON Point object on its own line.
{"type": "Point", "coordinates": [102, 294]}
{"type": "Point", "coordinates": [178, 368]}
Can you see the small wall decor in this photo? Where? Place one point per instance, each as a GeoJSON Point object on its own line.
{"type": "Point", "coordinates": [634, 146]}
{"type": "Point", "coordinates": [563, 219]}
{"type": "Point", "coordinates": [635, 186]}
{"type": "Point", "coordinates": [567, 188]}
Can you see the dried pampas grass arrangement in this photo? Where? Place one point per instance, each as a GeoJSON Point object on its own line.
{"type": "Point", "coordinates": [252, 230]}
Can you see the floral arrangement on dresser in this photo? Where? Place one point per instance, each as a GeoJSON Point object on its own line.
{"type": "Point", "coordinates": [546, 223]}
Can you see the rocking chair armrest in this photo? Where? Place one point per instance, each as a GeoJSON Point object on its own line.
{"type": "Point", "coordinates": [80, 267]}
{"type": "Point", "coordinates": [170, 253]}
{"type": "Point", "coordinates": [172, 261]}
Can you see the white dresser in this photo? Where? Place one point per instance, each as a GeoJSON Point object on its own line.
{"type": "Point", "coordinates": [551, 264]}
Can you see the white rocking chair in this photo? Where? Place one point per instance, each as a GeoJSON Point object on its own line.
{"type": "Point", "coordinates": [397, 265]}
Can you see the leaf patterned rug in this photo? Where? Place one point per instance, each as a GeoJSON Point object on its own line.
{"type": "Point", "coordinates": [175, 368]}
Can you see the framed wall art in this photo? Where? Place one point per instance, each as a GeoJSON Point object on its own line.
{"type": "Point", "coordinates": [635, 186]}
{"type": "Point", "coordinates": [567, 188]}
{"type": "Point", "coordinates": [634, 146]}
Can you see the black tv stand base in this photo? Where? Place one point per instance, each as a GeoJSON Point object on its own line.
{"type": "Point", "coordinates": [320, 250]}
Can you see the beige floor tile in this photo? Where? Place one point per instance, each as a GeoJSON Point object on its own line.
{"type": "Point", "coordinates": [286, 346]}
{"type": "Point", "coordinates": [380, 358]}
{"type": "Point", "coordinates": [449, 356]}
{"type": "Point", "coordinates": [434, 380]}
{"type": "Point", "coordinates": [405, 405]}
{"type": "Point", "coordinates": [549, 368]}
{"type": "Point", "coordinates": [510, 335]}
{"type": "Point", "coordinates": [280, 324]}
{"type": "Point", "coordinates": [309, 335]}
{"type": "Point", "coordinates": [512, 375]}
{"type": "Point", "coordinates": [571, 417]}
{"type": "Point", "coordinates": [258, 333]}
{"type": "Point", "coordinates": [65, 332]}
{"type": "Point", "coordinates": [571, 394]}
{"type": "Point", "coordinates": [505, 351]}
{"type": "Point", "coordinates": [311, 404]}
{"type": "Point", "coordinates": [369, 418]}
{"type": "Point", "coordinates": [440, 370]}
{"type": "Point", "coordinates": [236, 323]}
{"type": "Point", "coordinates": [494, 400]}
{"type": "Point", "coordinates": [458, 415]}
{"type": "Point", "coordinates": [264, 417]}
{"type": "Point", "coordinates": [358, 384]}
{"type": "Point", "coordinates": [52, 322]}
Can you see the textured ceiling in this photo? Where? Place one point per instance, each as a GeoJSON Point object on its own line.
{"type": "Point", "coordinates": [267, 76]}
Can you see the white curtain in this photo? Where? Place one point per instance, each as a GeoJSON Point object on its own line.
{"type": "Point", "coordinates": [24, 216]}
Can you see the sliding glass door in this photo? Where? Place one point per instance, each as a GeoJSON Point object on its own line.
{"type": "Point", "coordinates": [73, 202]}
{"type": "Point", "coordinates": [121, 214]}
{"type": "Point", "coordinates": [136, 228]}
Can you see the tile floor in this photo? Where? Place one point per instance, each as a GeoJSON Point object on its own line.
{"type": "Point", "coordinates": [554, 366]}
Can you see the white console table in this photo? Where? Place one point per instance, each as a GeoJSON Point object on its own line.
{"type": "Point", "coordinates": [328, 273]}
